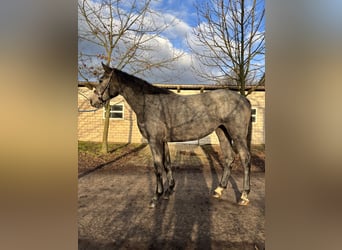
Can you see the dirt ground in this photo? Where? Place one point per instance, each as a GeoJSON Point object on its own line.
{"type": "Point", "coordinates": [114, 194]}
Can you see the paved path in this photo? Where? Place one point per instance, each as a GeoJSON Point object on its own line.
{"type": "Point", "coordinates": [114, 213]}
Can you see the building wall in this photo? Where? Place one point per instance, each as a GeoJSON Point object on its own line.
{"type": "Point", "coordinates": [91, 122]}
{"type": "Point", "coordinates": [257, 99]}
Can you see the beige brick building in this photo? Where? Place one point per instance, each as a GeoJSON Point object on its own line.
{"type": "Point", "coordinates": [123, 126]}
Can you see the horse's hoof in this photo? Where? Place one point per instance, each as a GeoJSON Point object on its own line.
{"type": "Point", "coordinates": [218, 192]}
{"type": "Point", "coordinates": [153, 204]}
{"type": "Point", "coordinates": [243, 202]}
{"type": "Point", "coordinates": [167, 194]}
{"type": "Point", "coordinates": [217, 196]}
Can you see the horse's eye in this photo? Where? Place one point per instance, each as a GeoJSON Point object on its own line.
{"type": "Point", "coordinates": [95, 92]}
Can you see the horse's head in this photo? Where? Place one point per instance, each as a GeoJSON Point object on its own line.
{"type": "Point", "coordinates": [106, 89]}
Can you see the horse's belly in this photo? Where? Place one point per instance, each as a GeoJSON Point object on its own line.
{"type": "Point", "coordinates": [189, 133]}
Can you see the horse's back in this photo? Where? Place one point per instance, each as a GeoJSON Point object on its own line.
{"type": "Point", "coordinates": [188, 117]}
{"type": "Point", "coordinates": [228, 102]}
{"type": "Point", "coordinates": [216, 105]}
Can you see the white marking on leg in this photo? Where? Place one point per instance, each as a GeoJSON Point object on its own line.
{"type": "Point", "coordinates": [243, 200]}
{"type": "Point", "coordinates": [218, 192]}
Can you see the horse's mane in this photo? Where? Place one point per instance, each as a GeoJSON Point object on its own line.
{"type": "Point", "coordinates": [138, 83]}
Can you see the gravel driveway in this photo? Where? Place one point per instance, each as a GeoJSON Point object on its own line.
{"type": "Point", "coordinates": [113, 207]}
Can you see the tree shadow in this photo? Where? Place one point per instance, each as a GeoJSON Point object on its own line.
{"type": "Point", "coordinates": [137, 149]}
{"type": "Point", "coordinates": [118, 148]}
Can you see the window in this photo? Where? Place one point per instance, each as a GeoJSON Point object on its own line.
{"type": "Point", "coordinates": [116, 111]}
{"type": "Point", "coordinates": [254, 114]}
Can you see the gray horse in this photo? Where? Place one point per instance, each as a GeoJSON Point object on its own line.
{"type": "Point", "coordinates": [164, 116]}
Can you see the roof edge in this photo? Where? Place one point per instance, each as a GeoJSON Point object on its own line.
{"type": "Point", "coordinates": [193, 86]}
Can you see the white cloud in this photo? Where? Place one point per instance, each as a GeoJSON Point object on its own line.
{"type": "Point", "coordinates": [172, 41]}
{"type": "Point", "coordinates": [179, 29]}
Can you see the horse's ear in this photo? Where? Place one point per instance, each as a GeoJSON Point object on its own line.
{"type": "Point", "coordinates": [106, 68]}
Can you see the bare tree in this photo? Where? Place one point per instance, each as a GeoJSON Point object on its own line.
{"type": "Point", "coordinates": [229, 42]}
{"type": "Point", "coordinates": [122, 33]}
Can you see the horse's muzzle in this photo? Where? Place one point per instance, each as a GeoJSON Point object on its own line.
{"type": "Point", "coordinates": [96, 103]}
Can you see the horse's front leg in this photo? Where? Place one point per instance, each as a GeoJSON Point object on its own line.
{"type": "Point", "coordinates": [157, 150]}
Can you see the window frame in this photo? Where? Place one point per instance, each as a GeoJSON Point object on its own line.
{"type": "Point", "coordinates": [254, 115]}
{"type": "Point", "coordinates": [115, 111]}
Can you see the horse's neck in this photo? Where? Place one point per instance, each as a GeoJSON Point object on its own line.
{"type": "Point", "coordinates": [134, 96]}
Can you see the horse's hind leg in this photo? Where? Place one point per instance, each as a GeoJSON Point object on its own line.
{"type": "Point", "coordinates": [168, 170]}
{"type": "Point", "coordinates": [245, 156]}
{"type": "Point", "coordinates": [157, 150]}
{"type": "Point", "coordinates": [228, 157]}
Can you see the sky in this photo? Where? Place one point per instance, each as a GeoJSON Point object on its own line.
{"type": "Point", "coordinates": [174, 39]}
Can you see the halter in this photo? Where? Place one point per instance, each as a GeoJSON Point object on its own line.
{"type": "Point", "coordinates": [107, 86]}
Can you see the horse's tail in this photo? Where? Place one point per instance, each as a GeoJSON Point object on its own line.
{"type": "Point", "coordinates": [250, 125]}
{"type": "Point", "coordinates": [249, 134]}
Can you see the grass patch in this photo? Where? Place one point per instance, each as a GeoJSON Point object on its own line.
{"type": "Point", "coordinates": [259, 147]}
{"type": "Point", "coordinates": [95, 147]}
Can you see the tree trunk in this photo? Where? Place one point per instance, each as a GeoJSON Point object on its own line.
{"type": "Point", "coordinates": [104, 148]}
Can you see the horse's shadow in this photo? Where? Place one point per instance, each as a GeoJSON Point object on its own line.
{"type": "Point", "coordinates": [185, 218]}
